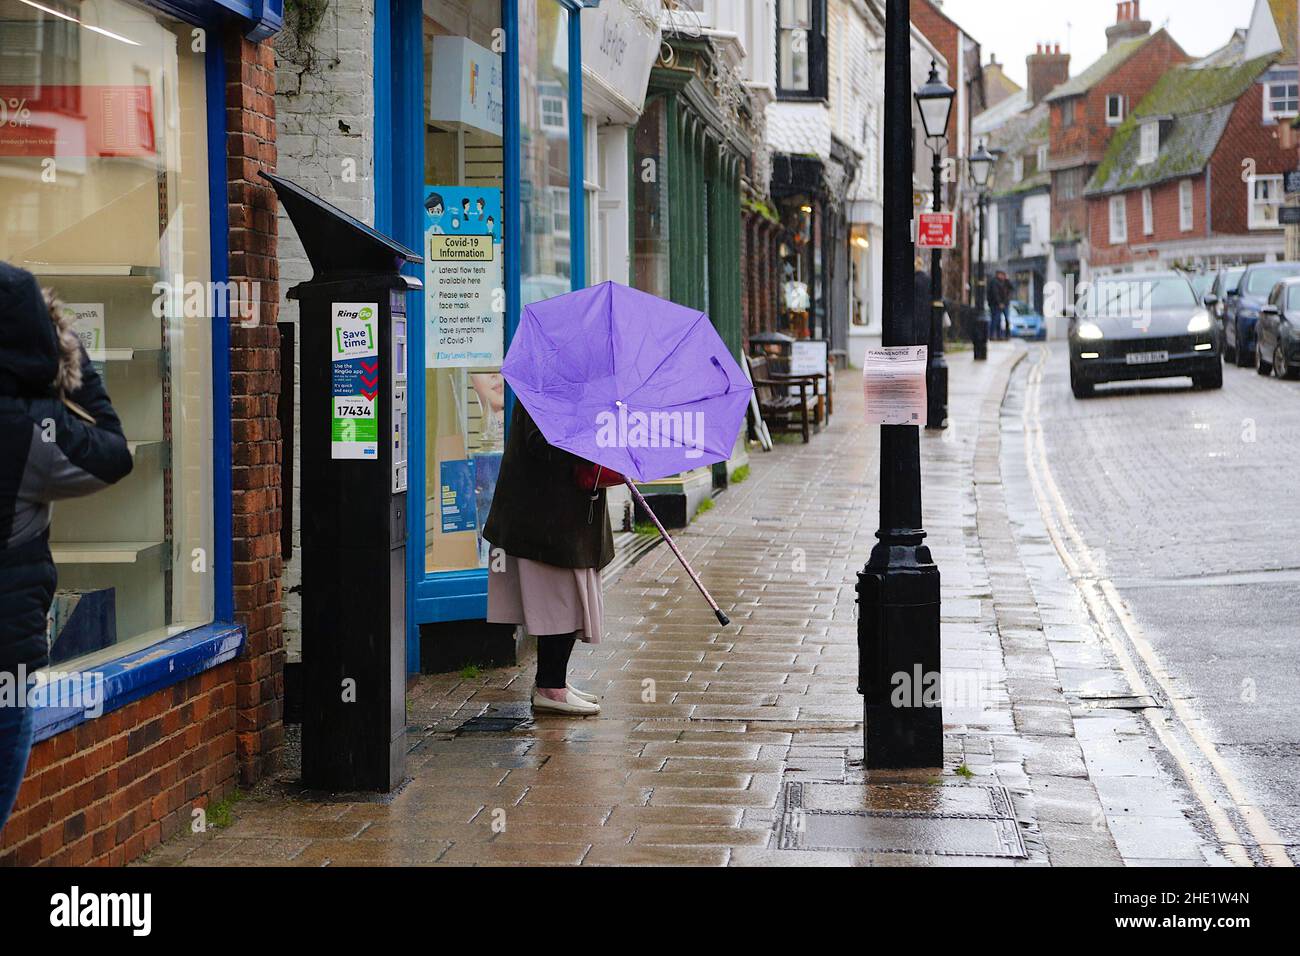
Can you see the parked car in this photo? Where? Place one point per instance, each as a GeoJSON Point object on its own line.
{"type": "Point", "coordinates": [1277, 334]}
{"type": "Point", "coordinates": [1243, 311]}
{"type": "Point", "coordinates": [1148, 325]}
{"type": "Point", "coordinates": [1026, 323]}
{"type": "Point", "coordinates": [1201, 282]}
{"type": "Point", "coordinates": [1223, 292]}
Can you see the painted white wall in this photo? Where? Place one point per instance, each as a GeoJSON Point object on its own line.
{"type": "Point", "coordinates": [325, 132]}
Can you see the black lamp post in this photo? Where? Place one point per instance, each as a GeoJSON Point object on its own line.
{"type": "Point", "coordinates": [898, 590]}
{"type": "Point", "coordinates": [981, 168]}
{"type": "Point", "coordinates": [934, 102]}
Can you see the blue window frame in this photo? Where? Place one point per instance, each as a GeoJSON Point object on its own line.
{"type": "Point", "coordinates": [399, 186]}
{"type": "Point", "coordinates": [145, 671]}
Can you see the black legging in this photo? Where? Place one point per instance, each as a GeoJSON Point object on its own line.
{"type": "Point", "coordinates": [553, 652]}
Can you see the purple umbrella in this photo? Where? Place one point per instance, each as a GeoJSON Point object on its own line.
{"type": "Point", "coordinates": [629, 381]}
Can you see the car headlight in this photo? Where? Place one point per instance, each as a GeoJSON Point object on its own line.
{"type": "Point", "coordinates": [1200, 322]}
{"type": "Point", "coordinates": [1089, 331]}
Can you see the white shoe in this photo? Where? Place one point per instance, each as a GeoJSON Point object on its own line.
{"type": "Point", "coordinates": [589, 698]}
{"type": "Point", "coordinates": [572, 704]}
{"type": "Point", "coordinates": [582, 694]}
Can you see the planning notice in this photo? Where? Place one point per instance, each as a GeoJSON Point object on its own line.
{"type": "Point", "coordinates": [893, 380]}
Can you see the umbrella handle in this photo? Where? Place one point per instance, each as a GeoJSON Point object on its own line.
{"type": "Point", "coordinates": [722, 618]}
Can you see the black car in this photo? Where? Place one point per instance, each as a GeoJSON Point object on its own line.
{"type": "Point", "coordinates": [1223, 292]}
{"type": "Point", "coordinates": [1277, 334]}
{"type": "Point", "coordinates": [1243, 311]}
{"type": "Point", "coordinates": [1147, 325]}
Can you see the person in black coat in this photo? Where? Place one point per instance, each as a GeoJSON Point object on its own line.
{"type": "Point", "coordinates": [550, 539]}
{"type": "Point", "coordinates": [59, 438]}
{"type": "Point", "coordinates": [922, 308]}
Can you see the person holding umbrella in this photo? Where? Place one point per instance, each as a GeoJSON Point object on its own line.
{"type": "Point", "coordinates": [613, 386]}
{"type": "Point", "coordinates": [555, 538]}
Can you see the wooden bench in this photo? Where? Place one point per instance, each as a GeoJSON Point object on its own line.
{"type": "Point", "coordinates": [781, 409]}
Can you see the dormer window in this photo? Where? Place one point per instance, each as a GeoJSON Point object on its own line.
{"type": "Point", "coordinates": [1149, 146]}
{"type": "Point", "coordinates": [1018, 168]}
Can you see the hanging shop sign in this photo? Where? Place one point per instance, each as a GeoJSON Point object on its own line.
{"type": "Point", "coordinates": [465, 86]}
{"type": "Point", "coordinates": [354, 430]}
{"type": "Point", "coordinates": [620, 43]}
{"type": "Point", "coordinates": [464, 281]}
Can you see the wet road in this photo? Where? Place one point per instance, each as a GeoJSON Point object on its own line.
{"type": "Point", "coordinates": [1189, 503]}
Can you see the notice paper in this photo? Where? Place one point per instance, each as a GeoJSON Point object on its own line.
{"type": "Point", "coordinates": [893, 380]}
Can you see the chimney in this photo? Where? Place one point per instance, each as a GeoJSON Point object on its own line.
{"type": "Point", "coordinates": [1047, 69]}
{"type": "Point", "coordinates": [1128, 23]}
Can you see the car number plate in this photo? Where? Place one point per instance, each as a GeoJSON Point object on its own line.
{"type": "Point", "coordinates": [1146, 358]}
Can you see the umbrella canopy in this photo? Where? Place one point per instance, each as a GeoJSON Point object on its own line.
{"type": "Point", "coordinates": [627, 380]}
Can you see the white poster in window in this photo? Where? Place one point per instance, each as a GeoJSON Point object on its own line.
{"type": "Point", "coordinates": [893, 379]}
{"type": "Point", "coordinates": [464, 282]}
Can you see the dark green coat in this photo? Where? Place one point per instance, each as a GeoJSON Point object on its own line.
{"type": "Point", "coordinates": [538, 510]}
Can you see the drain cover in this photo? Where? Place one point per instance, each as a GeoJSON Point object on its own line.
{"type": "Point", "coordinates": [904, 818]}
{"type": "Point", "coordinates": [490, 724]}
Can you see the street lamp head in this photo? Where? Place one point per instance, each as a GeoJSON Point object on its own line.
{"type": "Point", "coordinates": [934, 100]}
{"type": "Point", "coordinates": [981, 166]}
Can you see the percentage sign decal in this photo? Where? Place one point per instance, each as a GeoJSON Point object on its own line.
{"type": "Point", "coordinates": [14, 112]}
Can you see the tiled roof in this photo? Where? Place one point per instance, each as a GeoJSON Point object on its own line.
{"type": "Point", "coordinates": [1285, 15]}
{"type": "Point", "coordinates": [1200, 101]}
{"type": "Point", "coordinates": [1109, 62]}
{"type": "Point", "coordinates": [799, 129]}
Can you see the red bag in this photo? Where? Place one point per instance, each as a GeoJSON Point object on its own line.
{"type": "Point", "coordinates": [592, 477]}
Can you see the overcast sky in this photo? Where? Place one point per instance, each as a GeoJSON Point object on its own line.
{"type": "Point", "coordinates": [1012, 28]}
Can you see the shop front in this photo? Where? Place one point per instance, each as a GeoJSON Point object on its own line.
{"type": "Point", "coordinates": [115, 191]}
{"type": "Point", "coordinates": [479, 164]}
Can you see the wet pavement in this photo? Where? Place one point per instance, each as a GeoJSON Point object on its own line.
{"type": "Point", "coordinates": [743, 746]}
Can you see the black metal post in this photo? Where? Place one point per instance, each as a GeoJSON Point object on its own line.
{"type": "Point", "coordinates": [898, 590]}
{"type": "Point", "coordinates": [981, 286]}
{"type": "Point", "coordinates": [936, 369]}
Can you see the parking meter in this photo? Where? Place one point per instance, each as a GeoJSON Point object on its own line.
{"type": "Point", "coordinates": [353, 441]}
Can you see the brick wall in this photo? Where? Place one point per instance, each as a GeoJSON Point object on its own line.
{"type": "Point", "coordinates": [115, 786]}
{"type": "Point", "coordinates": [1246, 137]}
{"type": "Point", "coordinates": [255, 389]}
{"type": "Point", "coordinates": [1166, 222]}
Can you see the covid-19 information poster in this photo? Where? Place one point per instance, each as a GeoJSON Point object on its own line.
{"type": "Point", "coordinates": [464, 282]}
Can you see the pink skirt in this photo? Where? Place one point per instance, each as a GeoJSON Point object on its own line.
{"type": "Point", "coordinates": [547, 599]}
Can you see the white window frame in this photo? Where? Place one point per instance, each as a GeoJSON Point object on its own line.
{"type": "Point", "coordinates": [1042, 157]}
{"type": "Point", "coordinates": [1281, 100]}
{"type": "Point", "coordinates": [1149, 143]}
{"type": "Point", "coordinates": [1118, 220]}
{"type": "Point", "coordinates": [1018, 168]}
{"type": "Point", "coordinates": [1258, 216]}
{"type": "Point", "coordinates": [1115, 109]}
{"type": "Point", "coordinates": [1186, 206]}
{"type": "Point", "coordinates": [1148, 215]}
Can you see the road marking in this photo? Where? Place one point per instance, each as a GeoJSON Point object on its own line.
{"type": "Point", "coordinates": [1099, 593]}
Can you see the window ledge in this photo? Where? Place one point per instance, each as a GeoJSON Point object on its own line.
{"type": "Point", "coordinates": [141, 673]}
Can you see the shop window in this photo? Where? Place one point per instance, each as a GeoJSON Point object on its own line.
{"type": "Point", "coordinates": [650, 262]}
{"type": "Point", "coordinates": [116, 107]}
{"type": "Point", "coordinates": [464, 250]}
{"type": "Point", "coordinates": [801, 49]}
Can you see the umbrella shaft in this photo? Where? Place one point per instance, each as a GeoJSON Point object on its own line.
{"type": "Point", "coordinates": [671, 543]}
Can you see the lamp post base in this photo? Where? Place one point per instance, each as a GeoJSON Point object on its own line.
{"type": "Point", "coordinates": [899, 657]}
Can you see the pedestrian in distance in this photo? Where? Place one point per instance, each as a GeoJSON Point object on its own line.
{"type": "Point", "coordinates": [999, 303]}
{"type": "Point", "coordinates": [550, 538]}
{"type": "Point", "coordinates": [921, 303]}
{"type": "Point", "coordinates": [59, 438]}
